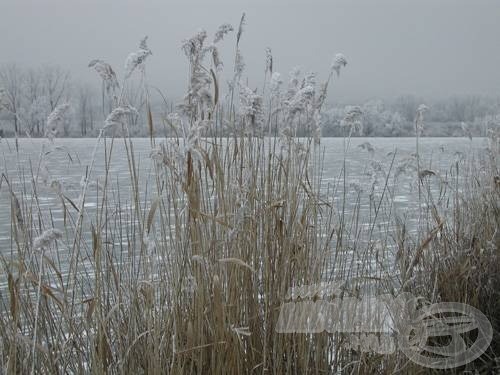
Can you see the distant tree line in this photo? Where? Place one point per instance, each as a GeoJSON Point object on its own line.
{"type": "Point", "coordinates": [450, 117]}
{"type": "Point", "coordinates": [29, 95]}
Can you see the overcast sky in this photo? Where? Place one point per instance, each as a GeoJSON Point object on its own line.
{"type": "Point", "coordinates": [431, 48]}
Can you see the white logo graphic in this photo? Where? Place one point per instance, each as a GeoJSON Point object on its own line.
{"type": "Point", "coordinates": [430, 335]}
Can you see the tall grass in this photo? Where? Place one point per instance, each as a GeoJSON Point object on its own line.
{"type": "Point", "coordinates": [188, 273]}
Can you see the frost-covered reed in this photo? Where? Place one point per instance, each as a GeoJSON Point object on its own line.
{"type": "Point", "coordinates": [188, 276]}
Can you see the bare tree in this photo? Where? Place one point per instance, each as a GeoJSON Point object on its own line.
{"type": "Point", "coordinates": [35, 103]}
{"type": "Point", "coordinates": [11, 79]}
{"type": "Point", "coordinates": [85, 109]}
{"type": "Point", "coordinates": [56, 83]}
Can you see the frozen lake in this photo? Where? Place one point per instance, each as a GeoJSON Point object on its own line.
{"type": "Point", "coordinates": [66, 160]}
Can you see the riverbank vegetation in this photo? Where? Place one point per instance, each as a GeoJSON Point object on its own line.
{"type": "Point", "coordinates": [188, 274]}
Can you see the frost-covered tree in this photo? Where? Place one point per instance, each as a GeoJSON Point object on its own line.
{"type": "Point", "coordinates": [34, 112]}
{"type": "Point", "coordinates": [56, 82]}
{"type": "Point", "coordinates": [35, 107]}
{"type": "Point", "coordinates": [11, 78]}
{"type": "Point", "coordinates": [85, 110]}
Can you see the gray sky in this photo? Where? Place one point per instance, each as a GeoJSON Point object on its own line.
{"type": "Point", "coordinates": [432, 48]}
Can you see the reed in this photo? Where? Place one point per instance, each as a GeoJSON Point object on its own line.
{"type": "Point", "coordinates": [187, 274]}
